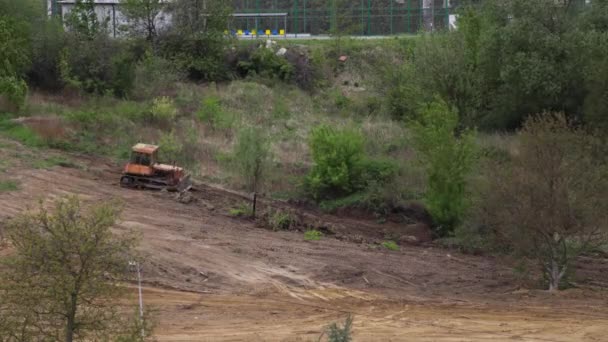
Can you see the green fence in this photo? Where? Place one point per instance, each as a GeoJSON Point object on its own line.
{"type": "Point", "coordinates": [355, 17]}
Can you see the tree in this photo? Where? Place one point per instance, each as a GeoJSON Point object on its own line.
{"type": "Point", "coordinates": [338, 157]}
{"type": "Point", "coordinates": [14, 59]}
{"type": "Point", "coordinates": [196, 40]}
{"type": "Point", "coordinates": [447, 156]}
{"type": "Point", "coordinates": [548, 202]}
{"type": "Point", "coordinates": [251, 156]}
{"type": "Point", "coordinates": [61, 280]}
{"type": "Point", "coordinates": [144, 16]}
{"type": "Point", "coordinates": [83, 21]}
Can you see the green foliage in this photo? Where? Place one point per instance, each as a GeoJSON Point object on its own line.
{"type": "Point", "coordinates": [335, 333]}
{"type": "Point", "coordinates": [170, 147]}
{"type": "Point", "coordinates": [337, 157]}
{"type": "Point", "coordinates": [153, 76]}
{"type": "Point", "coordinates": [212, 112]}
{"type": "Point", "coordinates": [65, 271]}
{"type": "Point", "coordinates": [281, 220]}
{"type": "Point", "coordinates": [48, 42]}
{"type": "Point", "coordinates": [197, 41]}
{"type": "Point", "coordinates": [83, 20]}
{"type": "Point", "coordinates": [447, 156]}
{"type": "Point", "coordinates": [390, 245]}
{"type": "Point", "coordinates": [14, 89]}
{"type": "Point", "coordinates": [341, 168]}
{"type": "Point", "coordinates": [280, 110]}
{"type": "Point", "coordinates": [547, 202]}
{"type": "Point", "coordinates": [14, 55]}
{"type": "Point", "coordinates": [143, 17]}
{"type": "Point", "coordinates": [20, 133]}
{"type": "Point", "coordinates": [265, 63]}
{"type": "Point", "coordinates": [243, 210]}
{"type": "Point", "coordinates": [8, 186]}
{"type": "Point", "coordinates": [508, 59]}
{"type": "Point", "coordinates": [313, 235]}
{"type": "Point", "coordinates": [250, 157]}
{"type": "Point", "coordinates": [163, 110]}
{"type": "Point", "coordinates": [98, 65]}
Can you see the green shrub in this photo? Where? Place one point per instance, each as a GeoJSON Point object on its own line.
{"type": "Point", "coordinates": [20, 133]}
{"type": "Point", "coordinates": [163, 110]}
{"type": "Point", "coordinates": [280, 110]}
{"type": "Point", "coordinates": [281, 220]}
{"type": "Point", "coordinates": [250, 157]}
{"type": "Point", "coordinates": [14, 89]}
{"type": "Point", "coordinates": [313, 235]}
{"type": "Point", "coordinates": [337, 157]}
{"type": "Point", "coordinates": [8, 186]}
{"type": "Point", "coordinates": [335, 333]}
{"type": "Point", "coordinates": [390, 245]}
{"type": "Point", "coordinates": [447, 157]}
{"type": "Point", "coordinates": [170, 148]}
{"type": "Point", "coordinates": [153, 76]}
{"type": "Point", "coordinates": [264, 62]}
{"type": "Point", "coordinates": [243, 210]}
{"type": "Point", "coordinates": [131, 110]}
{"type": "Point", "coordinates": [212, 112]}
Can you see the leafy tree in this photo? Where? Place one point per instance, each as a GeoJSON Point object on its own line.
{"type": "Point", "coordinates": [196, 41]}
{"type": "Point", "coordinates": [14, 59]}
{"type": "Point", "coordinates": [60, 282]}
{"type": "Point", "coordinates": [83, 21]}
{"type": "Point", "coordinates": [548, 201]}
{"type": "Point", "coordinates": [338, 156]}
{"type": "Point", "coordinates": [144, 16]}
{"type": "Point", "coordinates": [448, 156]}
{"type": "Point", "coordinates": [508, 59]}
{"type": "Point", "coordinates": [251, 156]}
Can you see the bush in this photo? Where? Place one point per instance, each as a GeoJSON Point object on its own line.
{"type": "Point", "coordinates": [313, 235]}
{"type": "Point", "coordinates": [98, 65]}
{"type": "Point", "coordinates": [20, 133]}
{"type": "Point", "coordinates": [250, 157]}
{"type": "Point", "coordinates": [163, 110]}
{"type": "Point", "coordinates": [153, 76]}
{"type": "Point", "coordinates": [547, 202]}
{"type": "Point", "coordinates": [14, 90]}
{"type": "Point", "coordinates": [265, 63]}
{"type": "Point", "coordinates": [281, 220]}
{"type": "Point", "coordinates": [243, 210]}
{"type": "Point", "coordinates": [337, 157]}
{"type": "Point", "coordinates": [447, 156]}
{"type": "Point", "coordinates": [335, 333]}
{"type": "Point", "coordinates": [213, 113]}
{"type": "Point", "coordinates": [170, 148]}
{"type": "Point", "coordinates": [390, 245]}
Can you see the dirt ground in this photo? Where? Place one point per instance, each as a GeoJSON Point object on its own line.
{"type": "Point", "coordinates": [212, 277]}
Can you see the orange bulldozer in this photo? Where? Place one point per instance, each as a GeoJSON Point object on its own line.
{"type": "Point", "coordinates": [144, 171]}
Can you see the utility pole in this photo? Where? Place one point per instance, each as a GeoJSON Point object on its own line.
{"type": "Point", "coordinates": [135, 265]}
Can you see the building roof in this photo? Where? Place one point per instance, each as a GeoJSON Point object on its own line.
{"type": "Point", "coordinates": [145, 148]}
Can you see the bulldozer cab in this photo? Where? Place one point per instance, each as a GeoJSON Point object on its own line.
{"type": "Point", "coordinates": [143, 154]}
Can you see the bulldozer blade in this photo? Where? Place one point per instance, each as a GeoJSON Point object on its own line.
{"type": "Point", "coordinates": [185, 184]}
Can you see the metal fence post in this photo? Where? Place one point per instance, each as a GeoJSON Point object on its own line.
{"type": "Point", "coordinates": [255, 200]}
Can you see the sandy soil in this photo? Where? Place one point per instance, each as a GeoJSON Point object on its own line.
{"type": "Point", "coordinates": [212, 277]}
